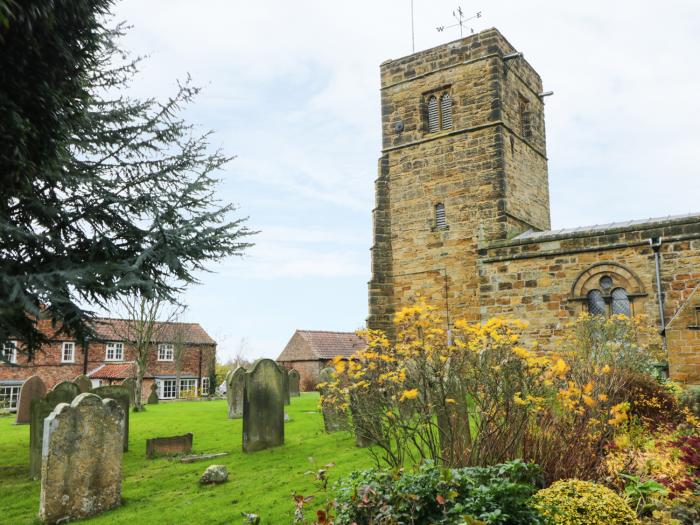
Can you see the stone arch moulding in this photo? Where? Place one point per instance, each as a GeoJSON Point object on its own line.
{"type": "Point", "coordinates": [622, 277]}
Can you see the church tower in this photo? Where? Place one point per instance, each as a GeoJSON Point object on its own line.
{"type": "Point", "coordinates": [463, 163]}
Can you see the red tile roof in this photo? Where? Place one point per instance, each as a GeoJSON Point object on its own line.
{"type": "Point", "coordinates": [322, 345]}
{"type": "Point", "coordinates": [113, 371]}
{"type": "Point", "coordinates": [109, 329]}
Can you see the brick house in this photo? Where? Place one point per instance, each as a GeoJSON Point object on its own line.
{"type": "Point", "coordinates": [109, 359]}
{"type": "Point", "coordinates": [308, 351]}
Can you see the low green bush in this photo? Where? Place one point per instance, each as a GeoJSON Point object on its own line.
{"type": "Point", "coordinates": [690, 398]}
{"type": "Point", "coordinates": [431, 494]}
{"type": "Point", "coordinates": [576, 502]}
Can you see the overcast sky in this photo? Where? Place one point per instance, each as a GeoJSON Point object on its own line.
{"type": "Point", "coordinates": [292, 89]}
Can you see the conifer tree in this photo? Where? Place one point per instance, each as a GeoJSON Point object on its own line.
{"type": "Point", "coordinates": [103, 195]}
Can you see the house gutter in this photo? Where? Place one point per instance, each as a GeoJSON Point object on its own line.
{"type": "Point", "coordinates": [655, 243]}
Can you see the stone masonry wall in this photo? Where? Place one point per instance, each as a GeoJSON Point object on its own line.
{"type": "Point", "coordinates": [533, 280]}
{"type": "Point", "coordinates": [463, 167]}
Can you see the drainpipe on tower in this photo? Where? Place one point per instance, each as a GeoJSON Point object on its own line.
{"type": "Point", "coordinates": [655, 243]}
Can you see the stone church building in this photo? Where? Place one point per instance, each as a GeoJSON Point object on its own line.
{"type": "Point", "coordinates": [462, 213]}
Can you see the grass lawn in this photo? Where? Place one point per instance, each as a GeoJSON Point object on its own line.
{"type": "Point", "coordinates": [165, 491]}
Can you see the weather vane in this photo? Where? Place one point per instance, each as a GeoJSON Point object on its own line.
{"type": "Point", "coordinates": [461, 20]}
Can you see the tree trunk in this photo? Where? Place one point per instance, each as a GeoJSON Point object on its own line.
{"type": "Point", "coordinates": [140, 370]}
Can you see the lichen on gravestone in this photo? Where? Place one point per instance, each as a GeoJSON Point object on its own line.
{"type": "Point", "coordinates": [81, 472]}
{"type": "Point", "coordinates": [263, 406]}
{"type": "Point", "coordinates": [63, 392]}
{"type": "Point", "coordinates": [120, 394]}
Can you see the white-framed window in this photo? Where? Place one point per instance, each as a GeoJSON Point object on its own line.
{"type": "Point", "coordinates": [115, 352]}
{"type": "Point", "coordinates": [9, 395]}
{"type": "Point", "coordinates": [166, 388]}
{"type": "Point", "coordinates": [68, 352]}
{"type": "Point", "coordinates": [205, 386]}
{"type": "Point", "coordinates": [165, 352]}
{"type": "Point", "coordinates": [188, 387]}
{"type": "Point", "coordinates": [9, 351]}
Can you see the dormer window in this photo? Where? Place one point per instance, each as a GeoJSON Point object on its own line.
{"type": "Point", "coordinates": [439, 112]}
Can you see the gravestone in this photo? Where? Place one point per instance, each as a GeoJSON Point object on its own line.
{"type": "Point", "coordinates": [130, 385]}
{"type": "Point", "coordinates": [32, 388]}
{"type": "Point", "coordinates": [153, 396]}
{"type": "Point", "coordinates": [235, 386]}
{"type": "Point", "coordinates": [333, 418]}
{"type": "Point", "coordinates": [285, 379]}
{"type": "Point", "coordinates": [83, 383]}
{"type": "Point", "coordinates": [263, 406]}
{"type": "Point", "coordinates": [168, 446]}
{"type": "Point", "coordinates": [294, 383]}
{"type": "Point", "coordinates": [120, 394]}
{"type": "Point", "coordinates": [81, 473]}
{"type": "Point", "coordinates": [63, 392]}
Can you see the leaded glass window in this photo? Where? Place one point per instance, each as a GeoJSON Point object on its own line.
{"type": "Point", "coordinates": [620, 302]}
{"type": "Point", "coordinates": [596, 303]}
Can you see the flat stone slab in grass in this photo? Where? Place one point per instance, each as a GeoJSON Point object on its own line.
{"type": "Point", "coordinates": [214, 474]}
{"type": "Point", "coordinates": [168, 446]}
{"type": "Point", "coordinates": [81, 473]}
{"type": "Point", "coordinates": [63, 392]}
{"type": "Point", "coordinates": [32, 388]}
{"type": "Point", "coordinates": [201, 457]}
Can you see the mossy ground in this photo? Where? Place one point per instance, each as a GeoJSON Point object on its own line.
{"type": "Point", "coordinates": [164, 491]}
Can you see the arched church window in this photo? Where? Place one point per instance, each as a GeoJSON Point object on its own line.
{"type": "Point", "coordinates": [620, 302]}
{"type": "Point", "coordinates": [596, 303]}
{"type": "Point", "coordinates": [440, 218]}
{"type": "Point", "coordinates": [433, 116]}
{"type": "Point", "coordinates": [445, 111]}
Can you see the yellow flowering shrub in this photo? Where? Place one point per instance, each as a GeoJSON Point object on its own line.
{"type": "Point", "coordinates": [576, 502]}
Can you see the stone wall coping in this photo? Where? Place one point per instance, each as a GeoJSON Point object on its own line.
{"type": "Point", "coordinates": [595, 231]}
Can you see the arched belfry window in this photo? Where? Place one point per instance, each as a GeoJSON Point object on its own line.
{"type": "Point", "coordinates": [596, 303]}
{"type": "Point", "coordinates": [433, 114]}
{"type": "Point", "coordinates": [440, 218]}
{"type": "Point", "coordinates": [620, 303]}
{"type": "Point", "coordinates": [445, 111]}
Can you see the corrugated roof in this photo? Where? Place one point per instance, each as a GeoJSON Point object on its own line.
{"type": "Point", "coordinates": [109, 329]}
{"type": "Point", "coordinates": [113, 371]}
{"type": "Point", "coordinates": [637, 224]}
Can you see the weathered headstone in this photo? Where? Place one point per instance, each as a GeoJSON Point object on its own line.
{"type": "Point", "coordinates": [168, 446]}
{"type": "Point", "coordinates": [83, 383]}
{"type": "Point", "coordinates": [333, 418]}
{"type": "Point", "coordinates": [32, 388]}
{"type": "Point", "coordinates": [285, 379]}
{"type": "Point", "coordinates": [263, 406]}
{"type": "Point", "coordinates": [130, 385]}
{"type": "Point", "coordinates": [63, 392]}
{"type": "Point", "coordinates": [120, 394]}
{"type": "Point", "coordinates": [293, 383]}
{"type": "Point", "coordinates": [235, 386]}
{"type": "Point", "coordinates": [81, 473]}
{"type": "Point", "coordinates": [153, 396]}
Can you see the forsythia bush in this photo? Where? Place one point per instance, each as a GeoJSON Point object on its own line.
{"type": "Point", "coordinates": [576, 502]}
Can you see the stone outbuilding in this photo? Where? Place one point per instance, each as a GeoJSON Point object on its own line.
{"type": "Point", "coordinates": [308, 351]}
